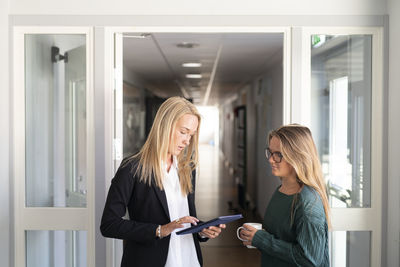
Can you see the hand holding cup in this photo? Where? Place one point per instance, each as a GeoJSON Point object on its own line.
{"type": "Point", "coordinates": [246, 233]}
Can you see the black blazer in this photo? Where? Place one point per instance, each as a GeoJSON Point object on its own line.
{"type": "Point", "coordinates": [148, 208]}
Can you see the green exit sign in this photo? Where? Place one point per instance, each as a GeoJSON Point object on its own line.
{"type": "Point", "coordinates": [317, 40]}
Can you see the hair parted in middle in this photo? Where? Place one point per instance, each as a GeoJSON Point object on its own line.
{"type": "Point", "coordinates": [299, 150]}
{"type": "Point", "coordinates": [154, 151]}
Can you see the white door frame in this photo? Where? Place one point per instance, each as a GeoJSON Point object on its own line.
{"type": "Point", "coordinates": [49, 218]}
{"type": "Point", "coordinates": [113, 81]}
{"type": "Point", "coordinates": [352, 219]}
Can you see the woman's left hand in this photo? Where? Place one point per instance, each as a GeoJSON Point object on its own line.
{"type": "Point", "coordinates": [213, 231]}
{"type": "Point", "coordinates": [247, 233]}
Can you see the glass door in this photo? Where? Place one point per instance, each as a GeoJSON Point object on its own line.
{"type": "Point", "coordinates": [344, 110]}
{"type": "Point", "coordinates": [53, 155]}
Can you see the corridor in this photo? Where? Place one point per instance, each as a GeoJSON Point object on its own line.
{"type": "Point", "coordinates": [215, 187]}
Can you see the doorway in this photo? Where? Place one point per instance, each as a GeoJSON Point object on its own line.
{"type": "Point", "coordinates": [213, 68]}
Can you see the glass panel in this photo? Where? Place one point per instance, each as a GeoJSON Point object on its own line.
{"type": "Point", "coordinates": [55, 110]}
{"type": "Point", "coordinates": [351, 249]}
{"type": "Point", "coordinates": [56, 248]}
{"type": "Point", "coordinates": [341, 115]}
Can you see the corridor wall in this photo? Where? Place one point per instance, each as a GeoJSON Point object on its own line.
{"type": "Point", "coordinates": [269, 117]}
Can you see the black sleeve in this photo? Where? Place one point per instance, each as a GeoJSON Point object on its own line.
{"type": "Point", "coordinates": [112, 223]}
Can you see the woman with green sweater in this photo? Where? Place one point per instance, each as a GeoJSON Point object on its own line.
{"type": "Point", "coordinates": [296, 222]}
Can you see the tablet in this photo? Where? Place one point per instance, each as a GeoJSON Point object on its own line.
{"type": "Point", "coordinates": [217, 221]}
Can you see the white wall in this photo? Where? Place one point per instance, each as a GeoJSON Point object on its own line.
{"type": "Point", "coordinates": [393, 223]}
{"type": "Point", "coordinates": [269, 109]}
{"type": "Point", "coordinates": [207, 7]}
{"type": "Point", "coordinates": [5, 237]}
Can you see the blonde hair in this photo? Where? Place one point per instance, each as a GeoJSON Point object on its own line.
{"type": "Point", "coordinates": [299, 150]}
{"type": "Point", "coordinates": [159, 140]}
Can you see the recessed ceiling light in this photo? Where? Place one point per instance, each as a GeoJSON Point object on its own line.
{"type": "Point", "coordinates": [187, 45]}
{"type": "Point", "coordinates": [191, 64]}
{"type": "Point", "coordinates": [193, 76]}
{"type": "Point", "coordinates": [196, 94]}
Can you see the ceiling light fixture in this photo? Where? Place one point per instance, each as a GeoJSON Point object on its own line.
{"type": "Point", "coordinates": [191, 65]}
{"type": "Point", "coordinates": [194, 76]}
{"type": "Point", "coordinates": [187, 45]}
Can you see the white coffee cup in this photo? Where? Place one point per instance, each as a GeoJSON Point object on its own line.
{"type": "Point", "coordinates": [258, 226]}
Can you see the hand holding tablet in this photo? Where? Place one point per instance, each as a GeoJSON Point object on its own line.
{"type": "Point", "coordinates": [216, 221]}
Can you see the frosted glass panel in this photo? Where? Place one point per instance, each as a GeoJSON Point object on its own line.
{"type": "Point", "coordinates": [341, 115]}
{"type": "Point", "coordinates": [55, 111]}
{"type": "Point", "coordinates": [350, 249]}
{"type": "Point", "coordinates": [56, 248]}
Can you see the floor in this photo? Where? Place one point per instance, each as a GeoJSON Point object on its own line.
{"type": "Point", "coordinates": [215, 188]}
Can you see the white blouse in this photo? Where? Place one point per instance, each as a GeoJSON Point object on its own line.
{"type": "Point", "coordinates": [182, 251]}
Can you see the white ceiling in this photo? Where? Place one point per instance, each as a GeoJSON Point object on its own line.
{"type": "Point", "coordinates": [157, 61]}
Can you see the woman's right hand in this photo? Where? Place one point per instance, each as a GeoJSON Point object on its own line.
{"type": "Point", "coordinates": [247, 234]}
{"type": "Point", "coordinates": [167, 229]}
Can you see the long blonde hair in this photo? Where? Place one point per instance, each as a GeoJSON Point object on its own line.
{"type": "Point", "coordinates": [299, 150]}
{"type": "Point", "coordinates": [155, 149]}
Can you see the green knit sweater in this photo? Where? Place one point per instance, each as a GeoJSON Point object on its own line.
{"type": "Point", "coordinates": [301, 241]}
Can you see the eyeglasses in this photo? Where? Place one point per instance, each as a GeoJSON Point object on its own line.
{"type": "Point", "coordinates": [276, 156]}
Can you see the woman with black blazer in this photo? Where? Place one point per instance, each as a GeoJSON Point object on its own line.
{"type": "Point", "coordinates": [157, 186]}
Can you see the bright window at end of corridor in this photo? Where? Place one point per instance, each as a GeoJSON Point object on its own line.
{"type": "Point", "coordinates": [209, 129]}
